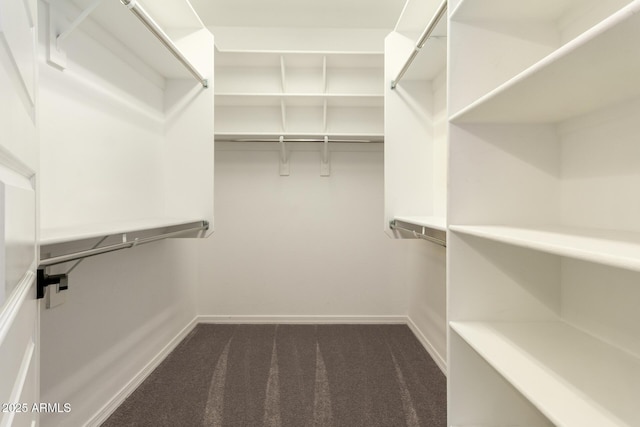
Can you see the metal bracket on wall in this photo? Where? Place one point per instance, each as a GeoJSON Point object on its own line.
{"type": "Point", "coordinates": [284, 159]}
{"type": "Point", "coordinates": [325, 165]}
{"type": "Point", "coordinates": [57, 35]}
{"type": "Point", "coordinates": [44, 280]}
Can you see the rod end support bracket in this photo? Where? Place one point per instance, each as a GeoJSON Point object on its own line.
{"type": "Point", "coordinates": [43, 280]}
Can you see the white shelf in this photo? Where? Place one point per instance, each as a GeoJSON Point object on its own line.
{"type": "Point", "coordinates": [54, 236]}
{"type": "Point", "coordinates": [415, 16]}
{"type": "Point", "coordinates": [614, 248]}
{"type": "Point", "coordinates": [352, 137]}
{"type": "Point", "coordinates": [434, 222]}
{"type": "Point", "coordinates": [299, 95]}
{"type": "Point", "coordinates": [298, 59]}
{"type": "Point", "coordinates": [573, 378]}
{"type": "Point", "coordinates": [501, 10]}
{"type": "Point", "coordinates": [299, 99]}
{"type": "Point", "coordinates": [172, 17]}
{"type": "Point", "coordinates": [600, 67]}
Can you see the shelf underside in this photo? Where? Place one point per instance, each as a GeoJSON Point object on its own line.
{"type": "Point", "coordinates": [130, 32]}
{"type": "Point", "coordinates": [435, 222]}
{"type": "Point", "coordinates": [597, 69]}
{"type": "Point", "coordinates": [54, 236]}
{"type": "Point", "coordinates": [573, 378]}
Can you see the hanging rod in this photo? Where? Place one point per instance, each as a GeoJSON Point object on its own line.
{"type": "Point", "coordinates": [300, 140]}
{"type": "Point", "coordinates": [124, 245]}
{"type": "Point", "coordinates": [140, 13]}
{"type": "Point", "coordinates": [394, 226]}
{"type": "Point", "coordinates": [442, 9]}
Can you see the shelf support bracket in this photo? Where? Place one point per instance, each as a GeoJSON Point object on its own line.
{"type": "Point", "coordinates": [325, 165]}
{"type": "Point", "coordinates": [56, 55]}
{"type": "Point", "coordinates": [284, 160]}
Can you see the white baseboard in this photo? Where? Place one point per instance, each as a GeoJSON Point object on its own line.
{"type": "Point", "coordinates": [435, 355]}
{"type": "Point", "coordinates": [113, 404]}
{"type": "Point", "coordinates": [303, 319]}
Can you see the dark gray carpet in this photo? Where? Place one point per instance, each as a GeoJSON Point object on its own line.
{"type": "Point", "coordinates": [291, 376]}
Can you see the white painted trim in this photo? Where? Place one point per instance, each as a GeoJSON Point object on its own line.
{"type": "Point", "coordinates": [20, 381]}
{"type": "Point", "coordinates": [113, 404]}
{"type": "Point", "coordinates": [248, 319]}
{"type": "Point", "coordinates": [437, 357]}
{"type": "Point", "coordinates": [14, 303]}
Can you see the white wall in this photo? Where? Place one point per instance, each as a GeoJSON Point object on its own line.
{"type": "Point", "coordinates": [302, 244]}
{"type": "Point", "coordinates": [426, 263]}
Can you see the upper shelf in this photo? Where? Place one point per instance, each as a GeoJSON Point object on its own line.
{"type": "Point", "coordinates": [432, 58]}
{"type": "Point", "coordinates": [415, 17]}
{"type": "Point", "coordinates": [176, 18]}
{"type": "Point", "coordinates": [298, 59]}
{"type": "Point", "coordinates": [614, 248]}
{"type": "Point", "coordinates": [435, 222]}
{"type": "Point", "coordinates": [54, 236]}
{"type": "Point", "coordinates": [592, 71]}
{"type": "Point", "coordinates": [499, 10]}
{"type": "Point", "coordinates": [299, 99]}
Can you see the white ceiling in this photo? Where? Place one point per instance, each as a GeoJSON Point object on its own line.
{"type": "Point", "coordinates": [299, 13]}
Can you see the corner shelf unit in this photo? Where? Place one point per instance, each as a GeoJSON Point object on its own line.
{"type": "Point", "coordinates": [298, 95]}
{"type": "Point", "coordinates": [416, 122]}
{"type": "Point", "coordinates": [544, 237]}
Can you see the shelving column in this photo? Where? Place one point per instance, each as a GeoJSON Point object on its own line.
{"type": "Point", "coordinates": [544, 240]}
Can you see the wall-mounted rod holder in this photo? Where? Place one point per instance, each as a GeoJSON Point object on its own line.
{"type": "Point", "coordinates": [325, 165]}
{"type": "Point", "coordinates": [44, 280]}
{"type": "Point", "coordinates": [440, 12]}
{"type": "Point", "coordinates": [432, 235]}
{"type": "Point", "coordinates": [284, 159]}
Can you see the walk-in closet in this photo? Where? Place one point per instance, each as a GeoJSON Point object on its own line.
{"type": "Point", "coordinates": [341, 213]}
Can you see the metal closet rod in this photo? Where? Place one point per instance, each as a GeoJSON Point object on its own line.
{"type": "Point", "coordinates": [300, 140]}
{"type": "Point", "coordinates": [155, 29]}
{"type": "Point", "coordinates": [417, 235]}
{"type": "Point", "coordinates": [421, 41]}
{"type": "Point", "coordinates": [111, 248]}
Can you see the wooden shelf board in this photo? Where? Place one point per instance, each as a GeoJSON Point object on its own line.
{"type": "Point", "coordinates": [53, 236]}
{"type": "Point", "coordinates": [573, 378]}
{"type": "Point", "coordinates": [435, 222]}
{"type": "Point", "coordinates": [571, 81]}
{"type": "Point", "coordinates": [615, 248]}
